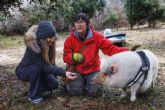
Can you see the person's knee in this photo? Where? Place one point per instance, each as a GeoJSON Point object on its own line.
{"type": "Point", "coordinates": [54, 85]}
{"type": "Point", "coordinates": [34, 72]}
{"type": "Point", "coordinates": [94, 90]}
{"type": "Point", "coordinates": [51, 82]}
{"type": "Point", "coordinates": [75, 87]}
{"type": "Point", "coordinates": [28, 73]}
{"type": "Point", "coordinates": [74, 91]}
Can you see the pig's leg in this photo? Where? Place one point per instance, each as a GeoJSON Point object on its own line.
{"type": "Point", "coordinates": [153, 84]}
{"type": "Point", "coordinates": [123, 93]}
{"type": "Point", "coordinates": [134, 89]}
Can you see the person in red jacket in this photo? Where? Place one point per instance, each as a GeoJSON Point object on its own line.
{"type": "Point", "coordinates": [86, 61]}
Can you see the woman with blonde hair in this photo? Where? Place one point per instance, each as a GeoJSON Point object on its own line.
{"type": "Point", "coordinates": [38, 64]}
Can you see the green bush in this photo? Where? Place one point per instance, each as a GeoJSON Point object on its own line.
{"type": "Point", "coordinates": [111, 20]}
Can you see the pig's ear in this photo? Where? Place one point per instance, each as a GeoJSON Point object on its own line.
{"type": "Point", "coordinates": [113, 69]}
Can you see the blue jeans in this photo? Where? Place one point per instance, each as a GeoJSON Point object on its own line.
{"type": "Point", "coordinates": [77, 86]}
{"type": "Point", "coordinates": [39, 81]}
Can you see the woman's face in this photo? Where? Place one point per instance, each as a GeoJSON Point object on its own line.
{"type": "Point", "coordinates": [80, 26]}
{"type": "Point", "coordinates": [50, 40]}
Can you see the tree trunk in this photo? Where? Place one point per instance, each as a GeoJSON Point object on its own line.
{"type": "Point", "coordinates": [117, 25]}
{"type": "Point", "coordinates": [131, 26]}
{"type": "Point", "coordinates": [149, 24]}
{"type": "Point", "coordinates": [138, 25]}
{"type": "Point", "coordinates": [154, 24]}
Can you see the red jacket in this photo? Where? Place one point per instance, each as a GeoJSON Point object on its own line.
{"type": "Point", "coordinates": [91, 52]}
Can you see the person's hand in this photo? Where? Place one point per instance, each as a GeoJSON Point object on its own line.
{"type": "Point", "coordinates": [78, 57]}
{"type": "Point", "coordinates": [70, 75]}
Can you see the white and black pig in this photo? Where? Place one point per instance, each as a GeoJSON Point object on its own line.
{"type": "Point", "coordinates": [129, 72]}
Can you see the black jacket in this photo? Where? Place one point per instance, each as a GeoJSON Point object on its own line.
{"type": "Point", "coordinates": [31, 57]}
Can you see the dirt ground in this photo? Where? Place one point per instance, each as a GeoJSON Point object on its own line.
{"type": "Point", "coordinates": [13, 93]}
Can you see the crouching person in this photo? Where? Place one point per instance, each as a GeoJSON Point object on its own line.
{"type": "Point", "coordinates": [81, 53]}
{"type": "Point", "coordinates": [38, 64]}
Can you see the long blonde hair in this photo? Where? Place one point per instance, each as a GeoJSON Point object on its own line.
{"type": "Point", "coordinates": [48, 52]}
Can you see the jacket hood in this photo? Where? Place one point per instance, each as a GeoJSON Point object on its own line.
{"type": "Point", "coordinates": [31, 39]}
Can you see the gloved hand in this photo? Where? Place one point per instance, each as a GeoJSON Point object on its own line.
{"type": "Point", "coordinates": [78, 57]}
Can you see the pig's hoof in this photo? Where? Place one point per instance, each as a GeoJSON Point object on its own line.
{"type": "Point", "coordinates": [123, 96]}
{"type": "Point", "coordinates": [133, 99]}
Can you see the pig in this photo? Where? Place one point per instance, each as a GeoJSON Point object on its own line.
{"type": "Point", "coordinates": [127, 66]}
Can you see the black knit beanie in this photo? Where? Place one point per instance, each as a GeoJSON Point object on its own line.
{"type": "Point", "coordinates": [45, 30]}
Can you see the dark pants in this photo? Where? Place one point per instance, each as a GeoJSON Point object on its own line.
{"type": "Point", "coordinates": [39, 80]}
{"type": "Point", "coordinates": [78, 85]}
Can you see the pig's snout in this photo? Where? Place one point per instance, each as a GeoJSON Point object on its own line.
{"type": "Point", "coordinates": [100, 79]}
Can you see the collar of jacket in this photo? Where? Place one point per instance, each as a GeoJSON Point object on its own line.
{"type": "Point", "coordinates": [89, 35]}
